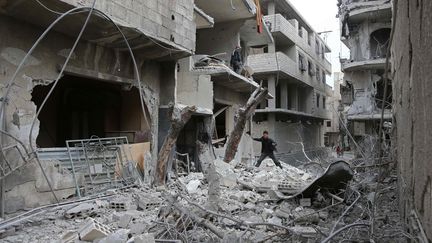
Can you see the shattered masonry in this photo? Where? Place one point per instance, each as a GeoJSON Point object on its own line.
{"type": "Point", "coordinates": [146, 137]}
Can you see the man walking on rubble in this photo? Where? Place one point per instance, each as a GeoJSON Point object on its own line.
{"type": "Point", "coordinates": [268, 146]}
{"type": "Point", "coordinates": [236, 60]}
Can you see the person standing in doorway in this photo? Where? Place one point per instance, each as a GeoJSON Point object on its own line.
{"type": "Point", "coordinates": [268, 146]}
{"type": "Point", "coordinates": [236, 60]}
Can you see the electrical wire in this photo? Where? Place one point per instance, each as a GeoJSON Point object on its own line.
{"type": "Point", "coordinates": [70, 54]}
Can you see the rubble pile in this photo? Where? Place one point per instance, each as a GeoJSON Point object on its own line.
{"type": "Point", "coordinates": [247, 211]}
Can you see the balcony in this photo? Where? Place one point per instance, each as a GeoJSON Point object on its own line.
{"type": "Point", "coordinates": [267, 63]}
{"type": "Point", "coordinates": [285, 32]}
{"type": "Point", "coordinates": [360, 10]}
{"type": "Point", "coordinates": [348, 65]}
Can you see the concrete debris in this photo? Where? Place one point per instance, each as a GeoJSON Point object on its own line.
{"type": "Point", "coordinates": [192, 186]}
{"type": "Point", "coordinates": [92, 230]}
{"type": "Point", "coordinates": [180, 212]}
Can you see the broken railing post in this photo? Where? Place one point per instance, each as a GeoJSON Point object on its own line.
{"type": "Point", "coordinates": [179, 117]}
{"type": "Point", "coordinates": [242, 117]}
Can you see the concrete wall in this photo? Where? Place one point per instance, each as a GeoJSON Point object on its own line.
{"type": "Point", "coordinates": [193, 89]}
{"type": "Point", "coordinates": [412, 90]}
{"type": "Point", "coordinates": [17, 38]}
{"type": "Point", "coordinates": [287, 135]}
{"type": "Point", "coordinates": [222, 38]}
{"type": "Point", "coordinates": [168, 20]}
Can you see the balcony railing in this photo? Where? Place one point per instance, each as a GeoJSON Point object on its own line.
{"type": "Point", "coordinates": [274, 62]}
{"type": "Point", "coordinates": [281, 25]}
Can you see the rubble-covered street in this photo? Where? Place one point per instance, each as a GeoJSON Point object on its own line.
{"type": "Point", "coordinates": [183, 121]}
{"type": "Point", "coordinates": [248, 210]}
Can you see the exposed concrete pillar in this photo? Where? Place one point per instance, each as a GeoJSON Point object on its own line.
{"type": "Point", "coordinates": [271, 124]}
{"type": "Point", "coordinates": [271, 9]}
{"type": "Point", "coordinates": [294, 97]}
{"type": "Point", "coordinates": [229, 119]}
{"type": "Point", "coordinates": [271, 82]}
{"type": "Point", "coordinates": [284, 94]}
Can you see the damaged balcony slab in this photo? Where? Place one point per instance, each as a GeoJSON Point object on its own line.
{"type": "Point", "coordinates": [202, 19]}
{"type": "Point", "coordinates": [146, 45]}
{"type": "Point", "coordinates": [225, 76]}
{"type": "Point", "coordinates": [243, 9]}
{"type": "Point", "coordinates": [348, 66]}
{"type": "Point", "coordinates": [366, 117]}
{"type": "Point", "coordinates": [372, 10]}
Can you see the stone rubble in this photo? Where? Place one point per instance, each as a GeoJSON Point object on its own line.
{"type": "Point", "coordinates": [246, 211]}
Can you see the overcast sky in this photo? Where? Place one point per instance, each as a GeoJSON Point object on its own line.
{"type": "Point", "coordinates": [321, 14]}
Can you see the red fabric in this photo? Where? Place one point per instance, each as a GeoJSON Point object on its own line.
{"type": "Point", "coordinates": [259, 17]}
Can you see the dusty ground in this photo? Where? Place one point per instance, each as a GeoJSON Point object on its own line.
{"type": "Point", "coordinates": [246, 211]}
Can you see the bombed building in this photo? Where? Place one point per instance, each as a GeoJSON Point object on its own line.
{"type": "Point", "coordinates": [295, 69]}
{"type": "Point", "coordinates": [365, 30]}
{"type": "Point", "coordinates": [142, 121]}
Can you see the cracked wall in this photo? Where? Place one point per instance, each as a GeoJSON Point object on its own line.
{"type": "Point", "coordinates": [412, 90]}
{"type": "Point", "coordinates": [42, 69]}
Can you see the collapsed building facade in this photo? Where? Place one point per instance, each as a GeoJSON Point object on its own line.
{"type": "Point", "coordinates": [365, 30]}
{"type": "Point", "coordinates": [98, 93]}
{"type": "Point", "coordinates": [295, 69]}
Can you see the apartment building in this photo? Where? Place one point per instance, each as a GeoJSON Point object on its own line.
{"type": "Point", "coordinates": [295, 69]}
{"type": "Point", "coordinates": [366, 28]}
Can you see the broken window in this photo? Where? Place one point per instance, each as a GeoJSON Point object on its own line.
{"type": "Point", "coordinates": [311, 68]}
{"type": "Point", "coordinates": [324, 102]}
{"type": "Point", "coordinates": [300, 31]}
{"type": "Point", "coordinates": [318, 97]}
{"type": "Point", "coordinates": [317, 47]}
{"type": "Point", "coordinates": [379, 41]}
{"type": "Point", "coordinates": [328, 123]}
{"type": "Point", "coordinates": [302, 65]}
{"type": "Point", "coordinates": [318, 74]}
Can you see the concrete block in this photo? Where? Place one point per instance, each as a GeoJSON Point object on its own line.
{"type": "Point", "coordinates": [119, 205]}
{"type": "Point", "coordinates": [82, 210]}
{"type": "Point", "coordinates": [92, 230]}
{"type": "Point", "coordinates": [147, 203]}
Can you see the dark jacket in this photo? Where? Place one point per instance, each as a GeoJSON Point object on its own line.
{"type": "Point", "coordinates": [267, 145]}
{"type": "Point", "coordinates": [236, 59]}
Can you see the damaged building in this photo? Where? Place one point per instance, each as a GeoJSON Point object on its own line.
{"type": "Point", "coordinates": [97, 94]}
{"type": "Point", "coordinates": [295, 69]}
{"type": "Point", "coordinates": [132, 121]}
{"type": "Point", "coordinates": [365, 30]}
